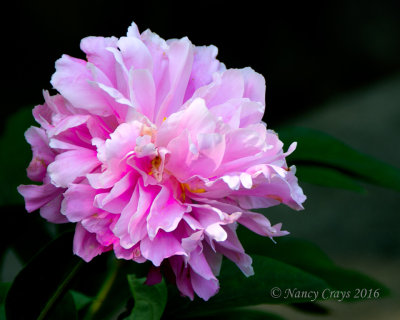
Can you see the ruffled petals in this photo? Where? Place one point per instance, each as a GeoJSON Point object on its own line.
{"type": "Point", "coordinates": [157, 152]}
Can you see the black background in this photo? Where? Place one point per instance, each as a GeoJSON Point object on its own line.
{"type": "Point", "coordinates": [307, 51]}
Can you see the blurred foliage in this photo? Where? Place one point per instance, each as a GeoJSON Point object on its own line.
{"type": "Point", "coordinates": [49, 273]}
{"type": "Point", "coordinates": [15, 156]}
{"type": "Point", "coordinates": [317, 149]}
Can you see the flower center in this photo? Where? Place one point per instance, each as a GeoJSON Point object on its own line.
{"type": "Point", "coordinates": [148, 131]}
{"type": "Point", "coordinates": [155, 164]}
{"type": "Point", "coordinates": [185, 186]}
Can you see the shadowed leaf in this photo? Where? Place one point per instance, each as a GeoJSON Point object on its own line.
{"type": "Point", "coordinates": [149, 301]}
{"type": "Point", "coordinates": [16, 155]}
{"type": "Point", "coordinates": [309, 258]}
{"type": "Point", "coordinates": [327, 177]}
{"type": "Point", "coordinates": [310, 307]}
{"type": "Point", "coordinates": [267, 285]}
{"type": "Point", "coordinates": [318, 148]}
{"type": "Point", "coordinates": [44, 281]}
{"type": "Point", "coordinates": [241, 314]}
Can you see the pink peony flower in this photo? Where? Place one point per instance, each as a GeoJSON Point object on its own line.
{"type": "Point", "coordinates": [157, 151]}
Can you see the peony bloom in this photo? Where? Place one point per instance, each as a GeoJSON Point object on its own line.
{"type": "Point", "coordinates": [157, 152]}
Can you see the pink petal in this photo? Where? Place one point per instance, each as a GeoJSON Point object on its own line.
{"type": "Point", "coordinates": [78, 202]}
{"type": "Point", "coordinates": [233, 250]}
{"type": "Point", "coordinates": [182, 276]}
{"type": "Point", "coordinates": [254, 87]}
{"type": "Point", "coordinates": [204, 288]}
{"type": "Point", "coordinates": [37, 196]}
{"type": "Point", "coordinates": [68, 123]}
{"type": "Point", "coordinates": [180, 56]}
{"type": "Point", "coordinates": [214, 259]}
{"type": "Point", "coordinates": [144, 92]}
{"type": "Point", "coordinates": [163, 246]}
{"type": "Point", "coordinates": [86, 245]}
{"type": "Point", "coordinates": [42, 154]}
{"type": "Point", "coordinates": [200, 265]}
{"type": "Point", "coordinates": [229, 85]}
{"type": "Point", "coordinates": [101, 225]}
{"type": "Point", "coordinates": [72, 79]}
{"type": "Point", "coordinates": [135, 53]}
{"type": "Point", "coordinates": [51, 211]}
{"type": "Point", "coordinates": [70, 165]}
{"type": "Point", "coordinates": [204, 66]}
{"type": "Point", "coordinates": [128, 254]}
{"type": "Point", "coordinates": [131, 226]}
{"type": "Point", "coordinates": [97, 53]}
{"type": "Point", "coordinates": [158, 48]}
{"type": "Point", "coordinates": [165, 213]}
{"type": "Point", "coordinates": [195, 117]}
{"type": "Point", "coordinates": [133, 31]}
{"type": "Point", "coordinates": [257, 223]}
{"type": "Point", "coordinates": [250, 113]}
{"type": "Point", "coordinates": [118, 197]}
{"type": "Point", "coordinates": [54, 110]}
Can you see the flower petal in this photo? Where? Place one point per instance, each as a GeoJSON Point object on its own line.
{"type": "Point", "coordinates": [163, 246]}
{"type": "Point", "coordinates": [51, 211]}
{"type": "Point", "coordinates": [78, 202]}
{"type": "Point", "coordinates": [37, 196]}
{"type": "Point", "coordinates": [86, 245]}
{"type": "Point", "coordinates": [70, 165]}
{"type": "Point", "coordinates": [165, 213]}
{"type": "Point", "coordinates": [72, 80]}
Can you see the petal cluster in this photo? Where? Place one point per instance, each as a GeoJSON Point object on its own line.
{"type": "Point", "coordinates": [157, 152]}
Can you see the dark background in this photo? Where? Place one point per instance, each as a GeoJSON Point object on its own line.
{"type": "Point", "coordinates": [307, 51]}
{"type": "Point", "coordinates": [329, 65]}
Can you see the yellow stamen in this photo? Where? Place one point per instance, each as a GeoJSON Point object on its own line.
{"type": "Point", "coordinates": [185, 186]}
{"type": "Point", "coordinates": [183, 193]}
{"type": "Point", "coordinates": [197, 190]}
{"type": "Point", "coordinates": [155, 164]}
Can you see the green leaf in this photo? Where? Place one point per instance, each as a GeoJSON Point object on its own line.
{"type": "Point", "coordinates": [81, 300]}
{"type": "Point", "coordinates": [104, 278]}
{"type": "Point", "coordinates": [149, 301]}
{"type": "Point", "coordinates": [44, 281]}
{"type": "Point", "coordinates": [4, 286]}
{"type": "Point", "coordinates": [327, 177]}
{"type": "Point", "coordinates": [2, 312]}
{"type": "Point", "coordinates": [272, 278]}
{"type": "Point", "coordinates": [350, 285]}
{"type": "Point", "coordinates": [310, 307]}
{"type": "Point", "coordinates": [309, 258]}
{"type": "Point", "coordinates": [65, 309]}
{"type": "Point", "coordinates": [16, 156]}
{"type": "Point", "coordinates": [318, 148]}
{"type": "Point", "coordinates": [241, 314]}
{"type": "Point", "coordinates": [31, 226]}
{"type": "Point", "coordinates": [298, 252]}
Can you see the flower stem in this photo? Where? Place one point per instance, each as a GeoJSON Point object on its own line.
{"type": "Point", "coordinates": [103, 292]}
{"type": "Point", "coordinates": [59, 291]}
